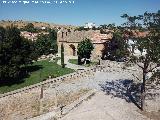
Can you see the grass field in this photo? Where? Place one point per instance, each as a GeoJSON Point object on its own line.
{"type": "Point", "coordinates": [75, 61]}
{"type": "Point", "coordinates": [38, 72]}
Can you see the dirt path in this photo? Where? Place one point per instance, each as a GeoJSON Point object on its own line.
{"type": "Point", "coordinates": [70, 65]}
{"type": "Point", "coordinates": [105, 107]}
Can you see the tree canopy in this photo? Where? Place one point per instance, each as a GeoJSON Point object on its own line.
{"type": "Point", "coordinates": [149, 40]}
{"type": "Point", "coordinates": [85, 48]}
{"type": "Point", "coordinates": [30, 28]}
{"type": "Point", "coordinates": [117, 47]}
{"type": "Point", "coordinates": [62, 56]}
{"type": "Point", "coordinates": [46, 44]}
{"type": "Point", "coordinates": [15, 52]}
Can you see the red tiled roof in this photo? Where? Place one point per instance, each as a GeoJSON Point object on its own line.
{"type": "Point", "coordinates": [101, 38]}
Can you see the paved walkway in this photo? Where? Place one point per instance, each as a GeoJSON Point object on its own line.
{"type": "Point", "coordinates": [70, 65]}
{"type": "Point", "coordinates": [47, 116]}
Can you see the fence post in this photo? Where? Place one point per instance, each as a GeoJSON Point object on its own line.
{"type": "Point", "coordinates": [41, 95]}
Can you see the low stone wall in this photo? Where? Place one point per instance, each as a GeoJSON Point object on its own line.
{"type": "Point", "coordinates": [78, 74]}
{"type": "Point", "coordinates": [109, 63]}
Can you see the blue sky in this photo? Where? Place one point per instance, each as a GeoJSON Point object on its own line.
{"type": "Point", "coordinates": [82, 11]}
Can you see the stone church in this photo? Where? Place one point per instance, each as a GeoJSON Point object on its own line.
{"type": "Point", "coordinates": [70, 39]}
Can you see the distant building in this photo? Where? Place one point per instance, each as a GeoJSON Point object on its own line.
{"type": "Point", "coordinates": [43, 28]}
{"type": "Point", "coordinates": [32, 36]}
{"type": "Point", "coordinates": [29, 35]}
{"type": "Point", "coordinates": [89, 25]}
{"type": "Point", "coordinates": [134, 50]}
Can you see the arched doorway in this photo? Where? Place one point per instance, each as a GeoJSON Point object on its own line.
{"type": "Point", "coordinates": [73, 50]}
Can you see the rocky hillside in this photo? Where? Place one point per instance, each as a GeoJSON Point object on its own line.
{"type": "Point", "coordinates": [21, 24]}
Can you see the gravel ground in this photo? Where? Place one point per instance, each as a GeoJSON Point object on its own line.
{"type": "Point", "coordinates": [107, 107]}
{"type": "Point", "coordinates": [104, 107]}
{"type": "Point", "coordinates": [95, 82]}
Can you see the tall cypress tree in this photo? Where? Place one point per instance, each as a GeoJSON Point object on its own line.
{"type": "Point", "coordinates": [62, 55]}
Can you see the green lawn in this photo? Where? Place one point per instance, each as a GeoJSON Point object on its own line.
{"type": "Point", "coordinates": [75, 61]}
{"type": "Point", "coordinates": [38, 72]}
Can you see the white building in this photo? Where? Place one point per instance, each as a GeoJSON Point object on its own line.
{"type": "Point", "coordinates": [134, 50]}
{"type": "Point", "coordinates": [89, 25]}
{"type": "Point", "coordinates": [43, 28]}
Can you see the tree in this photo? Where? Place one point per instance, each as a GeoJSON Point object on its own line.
{"type": "Point", "coordinates": [81, 28]}
{"type": "Point", "coordinates": [117, 47]}
{"type": "Point", "coordinates": [53, 40]}
{"type": "Point", "coordinates": [110, 27]}
{"type": "Point", "coordinates": [85, 48]}
{"type": "Point", "coordinates": [28, 50]}
{"type": "Point", "coordinates": [103, 26]}
{"type": "Point", "coordinates": [43, 45]}
{"type": "Point", "coordinates": [46, 44]}
{"type": "Point", "coordinates": [15, 52]}
{"type": "Point", "coordinates": [62, 55]}
{"type": "Point", "coordinates": [148, 41]}
{"type": "Point", "coordinates": [30, 28]}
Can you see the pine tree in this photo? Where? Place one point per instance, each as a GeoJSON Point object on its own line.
{"type": "Point", "coordinates": [149, 42]}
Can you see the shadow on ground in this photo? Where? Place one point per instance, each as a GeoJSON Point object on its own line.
{"type": "Point", "coordinates": [125, 89]}
{"type": "Point", "coordinates": [153, 87]}
{"type": "Point", "coordinates": [24, 73]}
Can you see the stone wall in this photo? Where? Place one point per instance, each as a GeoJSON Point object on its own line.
{"type": "Point", "coordinates": [68, 50]}
{"type": "Point", "coordinates": [72, 38]}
